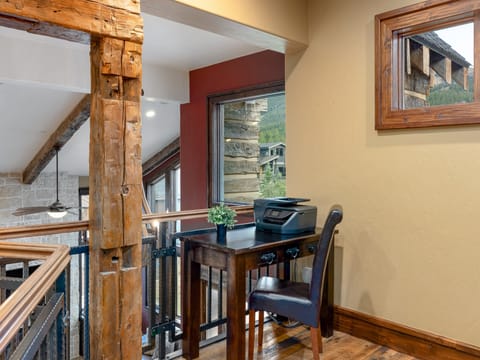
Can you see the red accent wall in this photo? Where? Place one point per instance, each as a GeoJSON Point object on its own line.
{"type": "Point", "coordinates": [247, 71]}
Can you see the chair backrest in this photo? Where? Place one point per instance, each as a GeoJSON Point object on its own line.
{"type": "Point", "coordinates": [324, 245]}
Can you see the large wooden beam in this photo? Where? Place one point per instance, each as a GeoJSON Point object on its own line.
{"type": "Point", "coordinates": [420, 58]}
{"type": "Point", "coordinates": [68, 19]}
{"type": "Point", "coordinates": [115, 209]}
{"type": "Point", "coordinates": [60, 136]}
{"type": "Point", "coordinates": [443, 67]}
{"type": "Point", "coordinates": [460, 75]}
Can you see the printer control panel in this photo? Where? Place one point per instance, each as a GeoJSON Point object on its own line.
{"type": "Point", "coordinates": [276, 216]}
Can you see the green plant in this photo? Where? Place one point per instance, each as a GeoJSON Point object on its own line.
{"type": "Point", "coordinates": [222, 214]}
{"type": "Point", "coordinates": [271, 185]}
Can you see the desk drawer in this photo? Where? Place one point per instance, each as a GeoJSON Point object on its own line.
{"type": "Point", "coordinates": [280, 254]}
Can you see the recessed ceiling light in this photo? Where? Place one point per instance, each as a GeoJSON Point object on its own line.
{"type": "Point", "coordinates": [150, 113]}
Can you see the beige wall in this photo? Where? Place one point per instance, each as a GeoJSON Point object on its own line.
{"type": "Point", "coordinates": [410, 236]}
{"type": "Point", "coordinates": [284, 18]}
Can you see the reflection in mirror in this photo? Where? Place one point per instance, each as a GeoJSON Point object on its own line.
{"type": "Point", "coordinates": [438, 67]}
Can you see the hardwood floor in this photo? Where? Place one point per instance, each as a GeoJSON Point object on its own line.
{"type": "Point", "coordinates": [281, 343]}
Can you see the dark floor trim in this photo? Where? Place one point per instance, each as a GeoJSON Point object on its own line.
{"type": "Point", "coordinates": [417, 343]}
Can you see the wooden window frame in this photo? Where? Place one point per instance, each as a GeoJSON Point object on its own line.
{"type": "Point", "coordinates": [390, 28]}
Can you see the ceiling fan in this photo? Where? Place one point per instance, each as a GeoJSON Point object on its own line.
{"type": "Point", "coordinates": [56, 210]}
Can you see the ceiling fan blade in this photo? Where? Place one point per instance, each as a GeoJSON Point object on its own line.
{"type": "Point", "coordinates": [30, 210]}
{"type": "Point", "coordinates": [55, 210]}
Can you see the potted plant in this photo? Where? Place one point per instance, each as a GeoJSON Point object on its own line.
{"type": "Point", "coordinates": [223, 217]}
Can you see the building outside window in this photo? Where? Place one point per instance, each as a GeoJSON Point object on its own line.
{"type": "Point", "coordinates": [248, 146]}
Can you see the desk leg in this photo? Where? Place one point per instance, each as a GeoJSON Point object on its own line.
{"type": "Point", "coordinates": [236, 308]}
{"type": "Point", "coordinates": [190, 293]}
{"type": "Point", "coordinates": [326, 311]}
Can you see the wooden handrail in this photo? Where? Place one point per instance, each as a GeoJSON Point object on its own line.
{"type": "Point", "coordinates": [190, 214]}
{"type": "Point", "coordinates": [15, 310]}
{"type": "Point", "coordinates": [41, 230]}
{"type": "Point", "coordinates": [66, 227]}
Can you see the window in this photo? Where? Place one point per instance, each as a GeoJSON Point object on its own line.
{"type": "Point", "coordinates": [156, 195]}
{"type": "Point", "coordinates": [161, 177]}
{"type": "Point", "coordinates": [163, 193]}
{"type": "Point", "coordinates": [247, 145]}
{"type": "Point", "coordinates": [83, 203]}
{"type": "Point", "coordinates": [424, 65]}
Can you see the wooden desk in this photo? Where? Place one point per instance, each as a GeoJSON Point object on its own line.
{"type": "Point", "coordinates": [243, 251]}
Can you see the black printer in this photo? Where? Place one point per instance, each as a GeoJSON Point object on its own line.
{"type": "Point", "coordinates": [283, 215]}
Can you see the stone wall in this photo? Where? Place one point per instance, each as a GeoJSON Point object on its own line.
{"type": "Point", "coordinates": [14, 194]}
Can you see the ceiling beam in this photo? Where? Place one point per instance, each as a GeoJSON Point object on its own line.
{"type": "Point", "coordinates": [59, 137]}
{"type": "Point", "coordinates": [75, 20]}
{"type": "Point", "coordinates": [162, 156]}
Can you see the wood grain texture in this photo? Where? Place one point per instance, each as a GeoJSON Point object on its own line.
{"type": "Point", "coordinates": [116, 200]}
{"type": "Point", "coordinates": [15, 311]}
{"type": "Point", "coordinates": [40, 230]}
{"type": "Point", "coordinates": [236, 290]}
{"type": "Point", "coordinates": [130, 333]}
{"type": "Point", "coordinates": [243, 184]}
{"type": "Point", "coordinates": [240, 166]}
{"type": "Point", "coordinates": [55, 17]}
{"type": "Point", "coordinates": [132, 61]}
{"type": "Point", "coordinates": [107, 320]}
{"type": "Point", "coordinates": [420, 344]}
{"type": "Point", "coordinates": [242, 149]}
{"type": "Point", "coordinates": [295, 344]}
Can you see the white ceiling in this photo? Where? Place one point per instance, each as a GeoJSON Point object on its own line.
{"type": "Point", "coordinates": [42, 79]}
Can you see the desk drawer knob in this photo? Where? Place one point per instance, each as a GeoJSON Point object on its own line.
{"type": "Point", "coordinates": [292, 252]}
{"type": "Point", "coordinates": [268, 258]}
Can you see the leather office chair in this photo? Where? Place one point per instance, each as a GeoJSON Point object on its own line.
{"type": "Point", "coordinates": [295, 300]}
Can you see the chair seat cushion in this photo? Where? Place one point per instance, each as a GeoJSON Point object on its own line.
{"type": "Point", "coordinates": [286, 298]}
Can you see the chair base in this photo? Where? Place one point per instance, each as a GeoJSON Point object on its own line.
{"type": "Point", "coordinates": [315, 336]}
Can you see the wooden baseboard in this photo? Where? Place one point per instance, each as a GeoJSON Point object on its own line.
{"type": "Point", "coordinates": [417, 343]}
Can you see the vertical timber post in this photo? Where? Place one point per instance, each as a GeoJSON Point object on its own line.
{"type": "Point", "coordinates": [115, 200]}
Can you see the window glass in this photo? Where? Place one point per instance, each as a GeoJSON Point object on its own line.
{"type": "Point", "coordinates": [251, 149]}
{"type": "Point", "coordinates": [157, 195]}
{"type": "Point", "coordinates": [84, 203]}
{"type": "Point", "coordinates": [438, 67]}
{"type": "Point", "coordinates": [176, 189]}
{"type": "Point", "coordinates": [163, 188]}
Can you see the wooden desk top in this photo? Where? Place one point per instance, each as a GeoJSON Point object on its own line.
{"type": "Point", "coordinates": [246, 238]}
